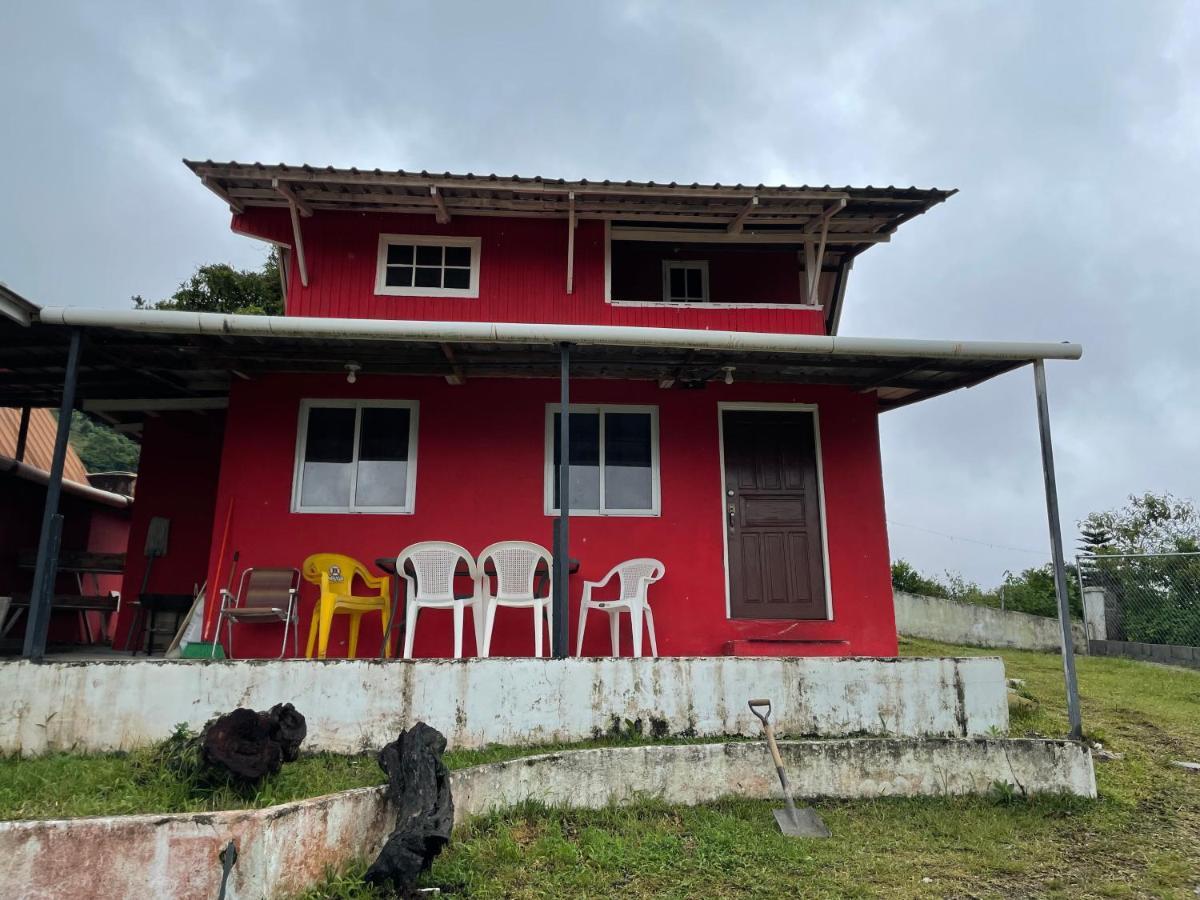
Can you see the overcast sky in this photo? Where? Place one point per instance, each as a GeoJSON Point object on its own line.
{"type": "Point", "coordinates": [1072, 131]}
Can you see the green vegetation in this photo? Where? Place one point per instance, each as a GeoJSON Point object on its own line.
{"type": "Point", "coordinates": [1031, 591]}
{"type": "Point", "coordinates": [162, 778]}
{"type": "Point", "coordinates": [60, 785]}
{"type": "Point", "coordinates": [1140, 839]}
{"type": "Point", "coordinates": [220, 288]}
{"type": "Point", "coordinates": [100, 448]}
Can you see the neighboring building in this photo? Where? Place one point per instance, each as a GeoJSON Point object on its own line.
{"type": "Point", "coordinates": [94, 521]}
{"type": "Point", "coordinates": [411, 393]}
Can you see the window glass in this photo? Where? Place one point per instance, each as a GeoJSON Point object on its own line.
{"type": "Point", "coordinates": [429, 256]}
{"type": "Point", "coordinates": [584, 470]}
{"type": "Point", "coordinates": [628, 473]}
{"type": "Point", "coordinates": [328, 456]}
{"type": "Point", "coordinates": [382, 457]}
{"type": "Point", "coordinates": [458, 256]}
{"type": "Point", "coordinates": [429, 277]}
{"type": "Point", "coordinates": [695, 283]}
{"type": "Point", "coordinates": [677, 283]}
{"type": "Point", "coordinates": [400, 254]}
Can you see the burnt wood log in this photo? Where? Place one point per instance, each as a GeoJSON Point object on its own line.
{"type": "Point", "coordinates": [248, 745]}
{"type": "Point", "coordinates": [419, 787]}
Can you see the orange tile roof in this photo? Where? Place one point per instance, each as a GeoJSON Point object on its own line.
{"type": "Point", "coordinates": [39, 447]}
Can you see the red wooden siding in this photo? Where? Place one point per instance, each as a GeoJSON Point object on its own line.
{"type": "Point", "coordinates": [480, 478]}
{"type": "Point", "coordinates": [177, 478]}
{"type": "Point", "coordinates": [523, 271]}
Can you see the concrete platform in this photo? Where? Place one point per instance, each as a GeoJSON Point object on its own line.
{"type": "Point", "coordinates": [352, 704]}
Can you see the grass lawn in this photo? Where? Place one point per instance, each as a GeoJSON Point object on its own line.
{"type": "Point", "coordinates": [1140, 839]}
{"type": "Point", "coordinates": [64, 785]}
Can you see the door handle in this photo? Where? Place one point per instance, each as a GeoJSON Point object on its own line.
{"type": "Point", "coordinates": [732, 515]}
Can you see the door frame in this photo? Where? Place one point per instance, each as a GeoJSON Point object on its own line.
{"type": "Point", "coordinates": [749, 406]}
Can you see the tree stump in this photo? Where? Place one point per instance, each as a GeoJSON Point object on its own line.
{"type": "Point", "coordinates": [419, 787]}
{"type": "Point", "coordinates": [249, 745]}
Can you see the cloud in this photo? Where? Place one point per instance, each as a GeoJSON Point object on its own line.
{"type": "Point", "coordinates": [1070, 129]}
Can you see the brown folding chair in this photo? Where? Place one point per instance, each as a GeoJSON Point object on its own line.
{"type": "Point", "coordinates": [263, 595]}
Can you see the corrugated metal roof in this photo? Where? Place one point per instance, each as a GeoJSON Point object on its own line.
{"type": "Point", "coordinates": [853, 217]}
{"type": "Point", "coordinates": [39, 446]}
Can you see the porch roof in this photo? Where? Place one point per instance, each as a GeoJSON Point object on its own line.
{"type": "Point", "coordinates": [135, 362]}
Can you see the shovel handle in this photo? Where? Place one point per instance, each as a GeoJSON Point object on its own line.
{"type": "Point", "coordinates": [755, 705]}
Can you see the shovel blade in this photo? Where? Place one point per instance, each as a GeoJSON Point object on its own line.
{"type": "Point", "coordinates": [805, 824]}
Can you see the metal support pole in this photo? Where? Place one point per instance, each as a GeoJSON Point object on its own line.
{"type": "Point", "coordinates": [1056, 547]}
{"type": "Point", "coordinates": [38, 623]}
{"type": "Point", "coordinates": [22, 434]}
{"type": "Point", "coordinates": [562, 567]}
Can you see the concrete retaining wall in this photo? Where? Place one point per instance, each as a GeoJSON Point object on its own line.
{"type": "Point", "coordinates": [1169, 654]}
{"type": "Point", "coordinates": [355, 704]}
{"type": "Point", "coordinates": [978, 626]}
{"type": "Point", "coordinates": [286, 848]}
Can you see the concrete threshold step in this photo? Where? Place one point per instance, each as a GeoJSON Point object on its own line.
{"type": "Point", "coordinates": [786, 647]}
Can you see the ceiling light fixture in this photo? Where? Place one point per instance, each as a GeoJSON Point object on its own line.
{"type": "Point", "coordinates": [352, 370]}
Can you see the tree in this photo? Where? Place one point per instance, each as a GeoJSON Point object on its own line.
{"type": "Point", "coordinates": [906, 578]}
{"type": "Point", "coordinates": [220, 288]}
{"type": "Point", "coordinates": [100, 448]}
{"type": "Point", "coordinates": [1149, 569]}
{"type": "Point", "coordinates": [1151, 523]}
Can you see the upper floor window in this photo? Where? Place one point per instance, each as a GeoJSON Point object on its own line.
{"type": "Point", "coordinates": [356, 456]}
{"type": "Point", "coordinates": [412, 265]}
{"type": "Point", "coordinates": [685, 281]}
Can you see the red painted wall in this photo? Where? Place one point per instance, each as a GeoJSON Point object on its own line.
{"type": "Point", "coordinates": [177, 478]}
{"type": "Point", "coordinates": [523, 272]}
{"type": "Point", "coordinates": [480, 479]}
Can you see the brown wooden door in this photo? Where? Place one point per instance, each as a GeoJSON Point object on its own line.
{"type": "Point", "coordinates": [773, 516]}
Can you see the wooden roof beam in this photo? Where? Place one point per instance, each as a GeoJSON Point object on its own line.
{"type": "Point", "coordinates": [442, 215]}
{"type": "Point", "coordinates": [735, 227]}
{"type": "Point", "coordinates": [822, 221]}
{"type": "Point", "coordinates": [215, 186]}
{"type": "Point", "coordinates": [458, 376]}
{"type": "Point", "coordinates": [571, 243]}
{"type": "Point", "coordinates": [285, 190]}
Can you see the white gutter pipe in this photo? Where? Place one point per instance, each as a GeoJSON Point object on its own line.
{"type": "Point", "coordinates": [169, 322]}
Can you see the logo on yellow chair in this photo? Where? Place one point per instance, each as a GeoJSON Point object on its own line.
{"type": "Point", "coordinates": [335, 574]}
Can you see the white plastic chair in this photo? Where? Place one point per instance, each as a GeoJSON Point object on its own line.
{"type": "Point", "coordinates": [516, 565]}
{"type": "Point", "coordinates": [432, 587]}
{"type": "Point", "coordinates": [636, 576]}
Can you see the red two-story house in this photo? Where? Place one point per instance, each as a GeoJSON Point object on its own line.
{"type": "Point", "coordinates": [413, 391]}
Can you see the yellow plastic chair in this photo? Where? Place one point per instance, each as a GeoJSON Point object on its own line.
{"type": "Point", "coordinates": [334, 573]}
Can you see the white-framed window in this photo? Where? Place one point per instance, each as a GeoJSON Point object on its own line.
{"type": "Point", "coordinates": [685, 280]}
{"type": "Point", "coordinates": [356, 456]}
{"type": "Point", "coordinates": [613, 465]}
{"type": "Point", "coordinates": [422, 265]}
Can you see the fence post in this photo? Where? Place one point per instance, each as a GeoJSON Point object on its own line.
{"type": "Point", "coordinates": [1056, 547]}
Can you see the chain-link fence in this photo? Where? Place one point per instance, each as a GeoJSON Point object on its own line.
{"type": "Point", "coordinates": [1147, 598]}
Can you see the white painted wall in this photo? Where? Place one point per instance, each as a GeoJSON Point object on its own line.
{"type": "Point", "coordinates": [284, 849]}
{"type": "Point", "coordinates": [356, 704]}
{"type": "Point", "coordinates": [937, 619]}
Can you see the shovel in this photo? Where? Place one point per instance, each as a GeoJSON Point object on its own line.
{"type": "Point", "coordinates": [792, 822]}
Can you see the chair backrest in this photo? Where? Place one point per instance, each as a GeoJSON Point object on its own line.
{"type": "Point", "coordinates": [434, 563]}
{"type": "Point", "coordinates": [339, 568]}
{"type": "Point", "coordinates": [269, 587]}
{"type": "Point", "coordinates": [638, 574]}
{"type": "Point", "coordinates": [516, 565]}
